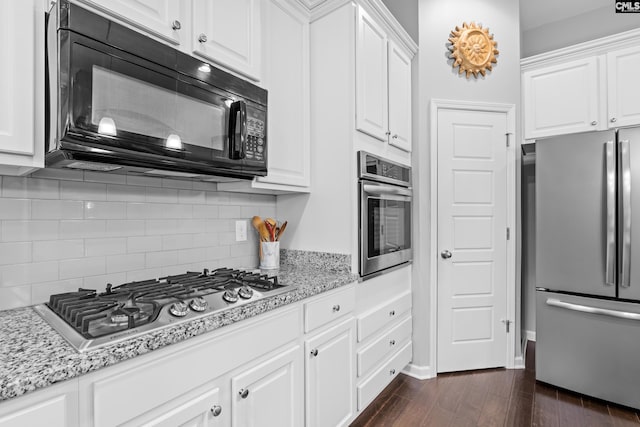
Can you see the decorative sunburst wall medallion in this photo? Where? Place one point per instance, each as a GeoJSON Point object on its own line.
{"type": "Point", "coordinates": [473, 49]}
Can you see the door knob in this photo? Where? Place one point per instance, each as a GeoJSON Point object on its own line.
{"type": "Point", "coordinates": [445, 254]}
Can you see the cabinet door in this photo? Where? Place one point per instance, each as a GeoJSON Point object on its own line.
{"type": "Point", "coordinates": [624, 92]}
{"type": "Point", "coordinates": [228, 32]}
{"type": "Point", "coordinates": [562, 99]}
{"type": "Point", "coordinates": [286, 77]}
{"type": "Point", "coordinates": [269, 394]}
{"type": "Point", "coordinates": [158, 17]}
{"type": "Point", "coordinates": [54, 406]}
{"type": "Point", "coordinates": [330, 376]}
{"type": "Point", "coordinates": [399, 98]}
{"type": "Point", "coordinates": [22, 87]}
{"type": "Point", "coordinates": [371, 78]}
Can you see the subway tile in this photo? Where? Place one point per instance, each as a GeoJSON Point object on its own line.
{"type": "Point", "coordinates": [227, 237]}
{"type": "Point", "coordinates": [154, 227]}
{"type": "Point", "coordinates": [124, 263]}
{"type": "Point", "coordinates": [245, 249]}
{"type": "Point", "coordinates": [217, 198]}
{"type": "Point", "coordinates": [268, 212]}
{"type": "Point", "coordinates": [192, 196]}
{"type": "Point", "coordinates": [33, 272]}
{"type": "Point", "coordinates": [17, 231]}
{"type": "Point", "coordinates": [138, 210]}
{"type": "Point", "coordinates": [201, 240]}
{"type": "Point", "coordinates": [62, 174]}
{"type": "Point", "coordinates": [105, 210]}
{"type": "Point", "coordinates": [82, 228]}
{"type": "Point", "coordinates": [177, 183]}
{"type": "Point", "coordinates": [160, 259]}
{"type": "Point", "coordinates": [14, 297]}
{"type": "Point", "coordinates": [172, 270]}
{"type": "Point", "coordinates": [106, 246]}
{"type": "Point", "coordinates": [14, 253]}
{"type": "Point", "coordinates": [144, 244]}
{"type": "Point", "coordinates": [30, 188]}
{"type": "Point", "coordinates": [73, 190]}
{"type": "Point", "coordinates": [161, 195]}
{"type": "Point", "coordinates": [144, 274]}
{"type": "Point", "coordinates": [169, 211]}
{"type": "Point", "coordinates": [248, 211]}
{"type": "Point", "coordinates": [125, 193]}
{"type": "Point", "coordinates": [82, 267]}
{"type": "Point", "coordinates": [144, 181]}
{"type": "Point", "coordinates": [206, 211]}
{"type": "Point", "coordinates": [177, 241]}
{"type": "Point", "coordinates": [105, 177]}
{"type": "Point", "coordinates": [57, 209]}
{"type": "Point", "coordinates": [100, 282]}
{"type": "Point", "coordinates": [51, 250]}
{"type": "Point", "coordinates": [218, 252]}
{"type": "Point", "coordinates": [205, 186]}
{"type": "Point", "coordinates": [125, 227]}
{"type": "Point", "coordinates": [219, 225]}
{"type": "Point", "coordinates": [40, 292]}
{"type": "Point", "coordinates": [230, 212]}
{"type": "Point", "coordinates": [186, 256]}
{"type": "Point", "coordinates": [262, 199]}
{"type": "Point", "coordinates": [191, 226]}
{"type": "Point", "coordinates": [15, 209]}
{"type": "Point", "coordinates": [239, 199]}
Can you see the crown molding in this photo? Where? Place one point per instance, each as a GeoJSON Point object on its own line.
{"type": "Point", "coordinates": [581, 50]}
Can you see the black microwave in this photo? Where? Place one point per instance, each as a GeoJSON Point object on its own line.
{"type": "Point", "coordinates": [121, 101]}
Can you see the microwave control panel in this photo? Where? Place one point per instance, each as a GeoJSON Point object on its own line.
{"type": "Point", "coordinates": [255, 139]}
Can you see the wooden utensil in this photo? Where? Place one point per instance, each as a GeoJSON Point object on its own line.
{"type": "Point", "coordinates": [282, 227]}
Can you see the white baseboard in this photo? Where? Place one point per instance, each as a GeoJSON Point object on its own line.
{"type": "Point", "coordinates": [530, 335]}
{"type": "Point", "coordinates": [418, 372]}
{"type": "Point", "coordinates": [518, 363]}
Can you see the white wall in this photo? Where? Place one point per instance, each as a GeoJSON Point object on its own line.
{"type": "Point", "coordinates": [439, 80]}
{"type": "Point", "coordinates": [581, 28]}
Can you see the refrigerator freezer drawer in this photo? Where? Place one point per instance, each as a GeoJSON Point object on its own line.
{"type": "Point", "coordinates": [589, 345]}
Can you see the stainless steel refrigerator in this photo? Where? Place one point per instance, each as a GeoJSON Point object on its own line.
{"type": "Point", "coordinates": [588, 264]}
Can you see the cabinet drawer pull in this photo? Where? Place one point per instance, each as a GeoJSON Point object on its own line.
{"type": "Point", "coordinates": [202, 38]}
{"type": "Point", "coordinates": [613, 119]}
{"type": "Point", "coordinates": [388, 133]}
{"type": "Point", "coordinates": [314, 352]}
{"type": "Point", "coordinates": [176, 25]}
{"type": "Point", "coordinates": [216, 410]}
{"type": "Point", "coordinates": [392, 372]}
{"type": "Point", "coordinates": [392, 342]}
{"type": "Point", "coordinates": [395, 136]}
{"type": "Point", "coordinates": [593, 123]}
{"type": "Point", "coordinates": [243, 393]}
{"type": "Point", "coordinates": [336, 308]}
{"type": "Point", "coordinates": [392, 313]}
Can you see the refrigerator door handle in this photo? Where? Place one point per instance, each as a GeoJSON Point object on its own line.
{"type": "Point", "coordinates": [593, 310]}
{"type": "Point", "coordinates": [610, 265]}
{"type": "Point", "coordinates": [625, 185]}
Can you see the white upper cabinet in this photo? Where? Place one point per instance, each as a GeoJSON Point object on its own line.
{"type": "Point", "coordinates": [562, 99]}
{"type": "Point", "coordinates": [623, 92]}
{"type": "Point", "coordinates": [22, 87]}
{"type": "Point", "coordinates": [399, 98]}
{"type": "Point", "coordinates": [371, 78]}
{"type": "Point", "coordinates": [227, 32]}
{"type": "Point", "coordinates": [162, 18]}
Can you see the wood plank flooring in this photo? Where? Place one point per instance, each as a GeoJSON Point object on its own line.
{"type": "Point", "coordinates": [492, 397]}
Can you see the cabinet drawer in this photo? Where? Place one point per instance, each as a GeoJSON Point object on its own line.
{"type": "Point", "coordinates": [384, 346]}
{"type": "Point", "coordinates": [329, 307]}
{"type": "Point", "coordinates": [371, 387]}
{"type": "Point", "coordinates": [379, 317]}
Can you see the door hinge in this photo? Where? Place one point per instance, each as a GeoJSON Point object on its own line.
{"type": "Point", "coordinates": [508, 233]}
{"type": "Point", "coordinates": [507, 324]}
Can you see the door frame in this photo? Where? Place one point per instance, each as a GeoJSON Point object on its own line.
{"type": "Point", "coordinates": [510, 111]}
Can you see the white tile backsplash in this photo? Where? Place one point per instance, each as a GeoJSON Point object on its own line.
{"type": "Point", "coordinates": [61, 230]}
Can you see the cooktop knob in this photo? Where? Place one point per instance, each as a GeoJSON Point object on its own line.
{"type": "Point", "coordinates": [179, 309]}
{"type": "Point", "coordinates": [230, 296]}
{"type": "Point", "coordinates": [245, 292]}
{"type": "Point", "coordinates": [198, 304]}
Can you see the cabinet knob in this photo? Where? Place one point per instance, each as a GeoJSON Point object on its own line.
{"type": "Point", "coordinates": [202, 38]}
{"type": "Point", "coordinates": [176, 25]}
{"type": "Point", "coordinates": [395, 136]}
{"type": "Point", "coordinates": [314, 352]}
{"type": "Point", "coordinates": [392, 313]}
{"type": "Point", "coordinates": [593, 123]}
{"type": "Point", "coordinates": [243, 393]}
{"type": "Point", "coordinates": [216, 410]}
{"type": "Point", "coordinates": [392, 372]}
{"type": "Point", "coordinates": [336, 307]}
{"type": "Point", "coordinates": [392, 342]}
{"type": "Point", "coordinates": [613, 119]}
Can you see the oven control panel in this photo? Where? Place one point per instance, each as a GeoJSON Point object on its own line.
{"type": "Point", "coordinates": [378, 169]}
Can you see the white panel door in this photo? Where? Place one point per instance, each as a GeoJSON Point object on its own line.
{"type": "Point", "coordinates": [472, 246]}
{"type": "Point", "coordinates": [372, 114]}
{"type": "Point", "coordinates": [158, 17]}
{"type": "Point", "coordinates": [399, 98]}
{"type": "Point", "coordinates": [269, 394]}
{"type": "Point", "coordinates": [624, 94]}
{"type": "Point", "coordinates": [228, 32]}
{"type": "Point", "coordinates": [562, 99]}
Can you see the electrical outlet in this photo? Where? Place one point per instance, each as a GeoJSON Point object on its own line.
{"type": "Point", "coordinates": [241, 231]}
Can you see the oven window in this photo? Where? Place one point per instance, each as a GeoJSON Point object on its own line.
{"type": "Point", "coordinates": [389, 226]}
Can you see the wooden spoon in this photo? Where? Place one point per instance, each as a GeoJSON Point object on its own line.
{"type": "Point", "coordinates": [282, 227]}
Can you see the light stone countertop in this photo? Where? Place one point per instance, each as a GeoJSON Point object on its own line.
{"type": "Point", "coordinates": [33, 355]}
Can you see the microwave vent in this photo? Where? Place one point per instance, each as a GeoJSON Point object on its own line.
{"type": "Point", "coordinates": [93, 166]}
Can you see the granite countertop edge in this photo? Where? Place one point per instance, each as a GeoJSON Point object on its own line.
{"type": "Point", "coordinates": [33, 355]}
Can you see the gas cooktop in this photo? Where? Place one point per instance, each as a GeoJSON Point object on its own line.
{"type": "Point", "coordinates": [89, 319]}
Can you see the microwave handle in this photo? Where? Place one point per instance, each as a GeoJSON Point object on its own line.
{"type": "Point", "coordinates": [237, 141]}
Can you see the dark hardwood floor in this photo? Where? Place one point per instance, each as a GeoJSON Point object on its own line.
{"type": "Point", "coordinates": [493, 397]}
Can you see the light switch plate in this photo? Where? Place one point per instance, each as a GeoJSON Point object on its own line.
{"type": "Point", "coordinates": [241, 231]}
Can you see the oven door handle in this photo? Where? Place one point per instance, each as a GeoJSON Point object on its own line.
{"type": "Point", "coordinates": [386, 189]}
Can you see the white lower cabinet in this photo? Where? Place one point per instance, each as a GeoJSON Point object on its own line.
{"type": "Point", "coordinates": [330, 376]}
{"type": "Point", "coordinates": [55, 406]}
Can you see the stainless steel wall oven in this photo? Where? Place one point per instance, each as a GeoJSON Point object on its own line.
{"type": "Point", "coordinates": [384, 214]}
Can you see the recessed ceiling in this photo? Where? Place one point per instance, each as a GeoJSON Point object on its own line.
{"type": "Point", "coordinates": [534, 13]}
